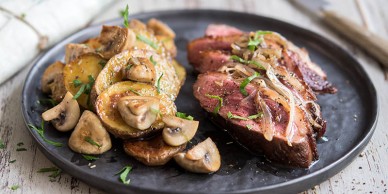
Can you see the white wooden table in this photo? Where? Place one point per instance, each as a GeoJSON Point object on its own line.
{"type": "Point", "coordinates": [367, 174]}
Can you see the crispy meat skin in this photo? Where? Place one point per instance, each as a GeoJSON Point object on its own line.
{"type": "Point", "coordinates": [303, 150]}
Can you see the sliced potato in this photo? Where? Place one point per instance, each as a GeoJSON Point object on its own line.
{"type": "Point", "coordinates": [113, 73]}
{"type": "Point", "coordinates": [152, 152]}
{"type": "Point", "coordinates": [106, 107]}
{"type": "Point", "coordinates": [86, 65]}
{"type": "Point", "coordinates": [180, 71]}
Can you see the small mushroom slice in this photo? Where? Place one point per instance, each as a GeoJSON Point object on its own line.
{"type": "Point", "coordinates": [115, 39]}
{"type": "Point", "coordinates": [139, 111]}
{"type": "Point", "coordinates": [152, 152]}
{"type": "Point", "coordinates": [178, 131]}
{"type": "Point", "coordinates": [160, 28]}
{"type": "Point", "coordinates": [52, 81]}
{"type": "Point", "coordinates": [65, 115]}
{"type": "Point", "coordinates": [140, 69]}
{"type": "Point", "coordinates": [73, 51]}
{"type": "Point", "coordinates": [90, 136]}
{"type": "Point", "coordinates": [203, 158]}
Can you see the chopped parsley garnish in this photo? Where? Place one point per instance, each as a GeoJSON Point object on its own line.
{"type": "Point", "coordinates": [85, 88]}
{"type": "Point", "coordinates": [40, 131]}
{"type": "Point", "coordinates": [232, 116]}
{"type": "Point", "coordinates": [158, 83]}
{"type": "Point", "coordinates": [246, 81]}
{"type": "Point", "coordinates": [184, 116]}
{"type": "Point", "coordinates": [92, 142]}
{"type": "Point", "coordinates": [125, 16]}
{"type": "Point", "coordinates": [21, 149]}
{"type": "Point", "coordinates": [240, 60]}
{"type": "Point", "coordinates": [102, 63]}
{"type": "Point", "coordinates": [55, 172]}
{"type": "Point", "coordinates": [2, 145]}
{"type": "Point", "coordinates": [135, 92]}
{"type": "Point", "coordinates": [152, 60]}
{"type": "Point", "coordinates": [124, 174]}
{"type": "Point", "coordinates": [14, 187]}
{"type": "Point", "coordinates": [47, 101]}
{"type": "Point", "coordinates": [253, 43]}
{"type": "Point", "coordinates": [89, 157]}
{"type": "Point", "coordinates": [219, 104]}
{"type": "Point", "coordinates": [147, 41]}
{"type": "Point", "coordinates": [12, 161]}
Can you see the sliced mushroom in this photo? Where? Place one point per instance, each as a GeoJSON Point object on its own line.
{"type": "Point", "coordinates": [73, 51]}
{"type": "Point", "coordinates": [65, 115]}
{"type": "Point", "coordinates": [115, 39]}
{"type": "Point", "coordinates": [52, 81]}
{"type": "Point", "coordinates": [160, 28]}
{"type": "Point", "coordinates": [203, 158]}
{"type": "Point", "coordinates": [139, 111]}
{"type": "Point", "coordinates": [137, 24]}
{"type": "Point", "coordinates": [178, 131]}
{"type": "Point", "coordinates": [90, 136]}
{"type": "Point", "coordinates": [140, 69]}
{"type": "Point", "coordinates": [152, 152]}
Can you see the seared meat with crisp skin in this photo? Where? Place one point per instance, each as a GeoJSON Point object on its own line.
{"type": "Point", "coordinates": [260, 89]}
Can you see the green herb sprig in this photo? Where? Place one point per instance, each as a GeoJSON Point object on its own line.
{"type": "Point", "coordinates": [257, 39]}
{"type": "Point", "coordinates": [40, 131]}
{"type": "Point", "coordinates": [14, 187]}
{"type": "Point", "coordinates": [92, 142]}
{"type": "Point", "coordinates": [85, 88]}
{"type": "Point", "coordinates": [219, 104]}
{"type": "Point", "coordinates": [247, 62]}
{"type": "Point", "coordinates": [158, 83]}
{"type": "Point", "coordinates": [89, 157]}
{"type": "Point", "coordinates": [124, 14]}
{"type": "Point", "coordinates": [152, 60]}
{"type": "Point", "coordinates": [55, 172]}
{"type": "Point", "coordinates": [246, 81]}
{"type": "Point", "coordinates": [124, 174]}
{"type": "Point", "coordinates": [184, 116]}
{"type": "Point", "coordinates": [233, 116]}
{"type": "Point", "coordinates": [147, 41]}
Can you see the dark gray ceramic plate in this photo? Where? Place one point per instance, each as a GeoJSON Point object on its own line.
{"type": "Point", "coordinates": [351, 117]}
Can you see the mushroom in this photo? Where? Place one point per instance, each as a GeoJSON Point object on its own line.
{"type": "Point", "coordinates": [73, 51]}
{"type": "Point", "coordinates": [137, 24]}
{"type": "Point", "coordinates": [140, 69]}
{"type": "Point", "coordinates": [65, 115]}
{"type": "Point", "coordinates": [90, 136]}
{"type": "Point", "coordinates": [115, 39]}
{"type": "Point", "coordinates": [160, 28]}
{"type": "Point", "coordinates": [203, 158]}
{"type": "Point", "coordinates": [139, 111]}
{"type": "Point", "coordinates": [178, 131]}
{"type": "Point", "coordinates": [52, 81]}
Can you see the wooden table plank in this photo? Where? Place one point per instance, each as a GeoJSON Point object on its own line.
{"type": "Point", "coordinates": [368, 173]}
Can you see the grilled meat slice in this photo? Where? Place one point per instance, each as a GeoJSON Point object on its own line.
{"type": "Point", "coordinates": [252, 132]}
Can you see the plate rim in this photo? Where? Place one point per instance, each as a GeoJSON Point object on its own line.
{"type": "Point", "coordinates": [335, 166]}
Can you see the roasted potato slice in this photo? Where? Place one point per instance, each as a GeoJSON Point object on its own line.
{"type": "Point", "coordinates": [180, 71]}
{"type": "Point", "coordinates": [84, 69]}
{"type": "Point", "coordinates": [168, 43]}
{"type": "Point", "coordinates": [152, 152]}
{"type": "Point", "coordinates": [106, 108]}
{"type": "Point", "coordinates": [113, 72]}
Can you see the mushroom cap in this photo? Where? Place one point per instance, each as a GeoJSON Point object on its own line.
{"type": "Point", "coordinates": [65, 115]}
{"type": "Point", "coordinates": [140, 69]}
{"type": "Point", "coordinates": [115, 39]}
{"type": "Point", "coordinates": [152, 152]}
{"type": "Point", "coordinates": [52, 81]}
{"type": "Point", "coordinates": [160, 28]}
{"type": "Point", "coordinates": [202, 158]}
{"type": "Point", "coordinates": [139, 112]}
{"type": "Point", "coordinates": [178, 131]}
{"type": "Point", "coordinates": [89, 129]}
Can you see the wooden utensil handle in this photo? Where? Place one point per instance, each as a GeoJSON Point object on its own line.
{"type": "Point", "coordinates": [371, 43]}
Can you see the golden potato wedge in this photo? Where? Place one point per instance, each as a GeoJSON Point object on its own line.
{"type": "Point", "coordinates": [169, 83]}
{"type": "Point", "coordinates": [180, 71]}
{"type": "Point", "coordinates": [152, 152]}
{"type": "Point", "coordinates": [83, 68]}
{"type": "Point", "coordinates": [52, 81]}
{"type": "Point", "coordinates": [106, 108]}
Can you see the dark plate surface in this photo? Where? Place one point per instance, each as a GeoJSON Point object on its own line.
{"type": "Point", "coordinates": [351, 117]}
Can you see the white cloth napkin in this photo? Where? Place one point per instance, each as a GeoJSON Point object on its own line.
{"type": "Point", "coordinates": [54, 19]}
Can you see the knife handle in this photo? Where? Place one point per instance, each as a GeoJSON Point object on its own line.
{"type": "Point", "coordinates": [371, 43]}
